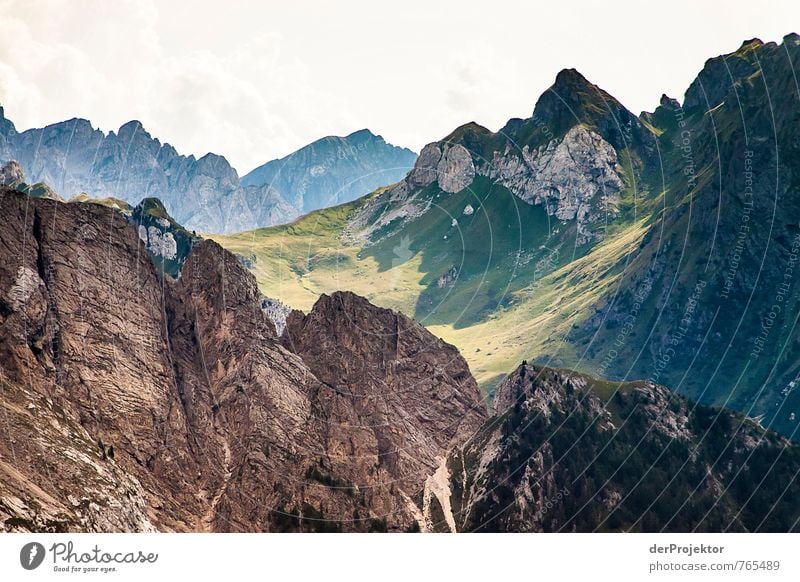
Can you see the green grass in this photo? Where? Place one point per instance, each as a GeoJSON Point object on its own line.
{"type": "Point", "coordinates": [297, 262]}
{"type": "Point", "coordinates": [110, 202]}
{"type": "Point", "coordinates": [496, 251]}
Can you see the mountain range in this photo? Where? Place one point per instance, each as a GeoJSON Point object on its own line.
{"type": "Point", "coordinates": [584, 321]}
{"type": "Point", "coordinates": [659, 246]}
{"type": "Point", "coordinates": [204, 194]}
{"type": "Point", "coordinates": [135, 401]}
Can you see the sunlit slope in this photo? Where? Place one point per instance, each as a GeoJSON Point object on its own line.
{"type": "Point", "coordinates": [500, 250]}
{"type": "Point", "coordinates": [297, 262]}
{"type": "Point", "coordinates": [540, 317]}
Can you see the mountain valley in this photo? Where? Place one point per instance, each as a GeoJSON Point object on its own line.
{"type": "Point", "coordinates": [589, 238]}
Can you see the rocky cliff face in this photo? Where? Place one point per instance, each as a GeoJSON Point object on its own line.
{"type": "Point", "coordinates": [136, 402]}
{"type": "Point", "coordinates": [566, 452]}
{"type": "Point", "coordinates": [576, 178]}
{"type": "Point", "coordinates": [708, 302]}
{"type": "Point", "coordinates": [358, 350]}
{"type": "Point", "coordinates": [333, 170]}
{"type": "Point", "coordinates": [566, 157]}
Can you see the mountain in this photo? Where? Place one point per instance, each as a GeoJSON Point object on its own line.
{"type": "Point", "coordinates": [203, 194]}
{"type": "Point", "coordinates": [708, 304]}
{"type": "Point", "coordinates": [73, 158]}
{"type": "Point", "coordinates": [13, 176]}
{"type": "Point", "coordinates": [659, 247]}
{"type": "Point", "coordinates": [138, 402]}
{"type": "Point", "coordinates": [166, 241]}
{"type": "Point", "coordinates": [135, 402]}
{"type": "Point", "coordinates": [476, 226]}
{"type": "Point", "coordinates": [566, 452]}
{"type": "Point", "coordinates": [334, 170]}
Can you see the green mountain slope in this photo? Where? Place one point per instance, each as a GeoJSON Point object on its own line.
{"type": "Point", "coordinates": [660, 247]}
{"type": "Point", "coordinates": [709, 304]}
{"type": "Point", "coordinates": [456, 253]}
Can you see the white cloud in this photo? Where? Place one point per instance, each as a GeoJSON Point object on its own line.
{"type": "Point", "coordinates": [253, 81]}
{"type": "Point", "coordinates": [248, 102]}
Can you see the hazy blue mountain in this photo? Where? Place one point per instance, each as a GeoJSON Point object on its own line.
{"type": "Point", "coordinates": [205, 193]}
{"type": "Point", "coordinates": [333, 170]}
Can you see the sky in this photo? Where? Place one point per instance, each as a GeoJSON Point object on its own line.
{"type": "Point", "coordinates": [255, 81]}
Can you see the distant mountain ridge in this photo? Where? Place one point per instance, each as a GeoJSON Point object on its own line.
{"type": "Point", "coordinates": [203, 194]}
{"type": "Point", "coordinates": [333, 170]}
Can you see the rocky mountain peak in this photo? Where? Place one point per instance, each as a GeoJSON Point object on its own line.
{"type": "Point", "coordinates": [719, 75]}
{"type": "Point", "coordinates": [11, 174]}
{"type": "Point", "coordinates": [753, 43]}
{"type": "Point", "coordinates": [333, 170]}
{"type": "Point", "coordinates": [204, 194]}
{"type": "Point", "coordinates": [573, 100]}
{"type": "Point", "coordinates": [669, 102]}
{"type": "Point", "coordinates": [569, 453]}
{"type": "Point", "coordinates": [565, 158]}
{"type": "Point", "coordinates": [6, 125]}
{"type": "Point", "coordinates": [364, 136]}
{"type": "Point", "coordinates": [664, 114]}
{"type": "Point", "coordinates": [172, 404]}
{"type": "Point", "coordinates": [343, 324]}
{"type": "Point", "coordinates": [569, 81]}
{"type": "Point", "coordinates": [535, 384]}
{"type": "Point", "coordinates": [126, 130]}
{"type": "Point", "coordinates": [571, 90]}
{"type": "Point", "coordinates": [469, 131]}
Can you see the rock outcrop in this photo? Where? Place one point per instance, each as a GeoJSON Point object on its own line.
{"type": "Point", "coordinates": [11, 174]}
{"type": "Point", "coordinates": [455, 170]}
{"type": "Point", "coordinates": [576, 178]}
{"type": "Point", "coordinates": [566, 158]}
{"type": "Point", "coordinates": [276, 311]}
{"type": "Point", "coordinates": [168, 243]}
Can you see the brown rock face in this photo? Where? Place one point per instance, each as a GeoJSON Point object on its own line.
{"type": "Point", "coordinates": [134, 403]}
{"type": "Point", "coordinates": [566, 453]}
{"type": "Point", "coordinates": [388, 386]}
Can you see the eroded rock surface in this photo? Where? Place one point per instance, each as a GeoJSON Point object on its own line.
{"type": "Point", "coordinates": [566, 452]}
{"type": "Point", "coordinates": [139, 402]}
{"type": "Point", "coordinates": [575, 178]}
{"type": "Point", "coordinates": [455, 170]}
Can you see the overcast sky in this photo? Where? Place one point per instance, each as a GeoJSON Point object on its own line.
{"type": "Point", "coordinates": [254, 81]}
